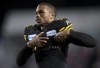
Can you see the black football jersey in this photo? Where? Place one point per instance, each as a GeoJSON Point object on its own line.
{"type": "Point", "coordinates": [49, 31]}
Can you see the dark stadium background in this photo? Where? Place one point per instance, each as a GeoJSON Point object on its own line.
{"type": "Point", "coordinates": [15, 15]}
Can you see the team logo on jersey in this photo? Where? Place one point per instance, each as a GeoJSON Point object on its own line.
{"type": "Point", "coordinates": [30, 37]}
{"type": "Point", "coordinates": [51, 33]}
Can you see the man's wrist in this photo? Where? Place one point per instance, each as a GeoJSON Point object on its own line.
{"type": "Point", "coordinates": [68, 32]}
{"type": "Point", "coordinates": [28, 45]}
{"type": "Point", "coordinates": [32, 47]}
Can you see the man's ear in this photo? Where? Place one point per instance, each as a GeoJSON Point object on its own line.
{"type": "Point", "coordinates": [52, 16]}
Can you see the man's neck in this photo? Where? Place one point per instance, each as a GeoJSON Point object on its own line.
{"type": "Point", "coordinates": [51, 20]}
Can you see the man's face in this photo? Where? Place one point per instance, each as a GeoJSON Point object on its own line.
{"type": "Point", "coordinates": [43, 15]}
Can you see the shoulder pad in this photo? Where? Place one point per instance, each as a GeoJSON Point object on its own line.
{"type": "Point", "coordinates": [64, 20]}
{"type": "Point", "coordinates": [31, 25]}
{"type": "Point", "coordinates": [69, 25]}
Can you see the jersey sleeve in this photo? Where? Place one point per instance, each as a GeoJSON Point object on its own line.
{"type": "Point", "coordinates": [25, 52]}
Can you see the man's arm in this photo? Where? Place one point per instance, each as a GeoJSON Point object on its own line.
{"type": "Point", "coordinates": [27, 51]}
{"type": "Point", "coordinates": [81, 39]}
{"type": "Point", "coordinates": [77, 38]}
{"type": "Point", "coordinates": [23, 55]}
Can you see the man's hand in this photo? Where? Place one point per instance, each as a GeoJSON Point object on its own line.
{"type": "Point", "coordinates": [38, 41]}
{"type": "Point", "coordinates": [61, 36]}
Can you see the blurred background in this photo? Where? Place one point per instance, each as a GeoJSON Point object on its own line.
{"type": "Point", "coordinates": [15, 15]}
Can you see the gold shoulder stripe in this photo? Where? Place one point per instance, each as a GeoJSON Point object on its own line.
{"type": "Point", "coordinates": [62, 29]}
{"type": "Point", "coordinates": [68, 27]}
{"type": "Point", "coordinates": [30, 25]}
{"type": "Point", "coordinates": [25, 37]}
{"type": "Point", "coordinates": [61, 18]}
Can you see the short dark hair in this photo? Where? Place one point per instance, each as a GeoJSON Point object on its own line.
{"type": "Point", "coordinates": [52, 8]}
